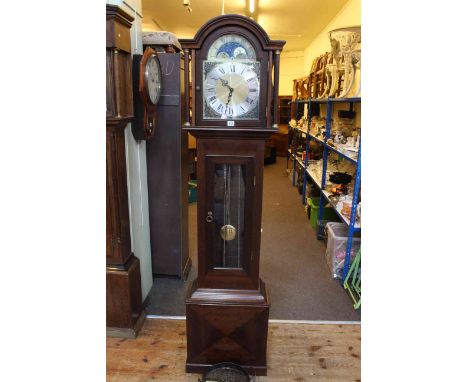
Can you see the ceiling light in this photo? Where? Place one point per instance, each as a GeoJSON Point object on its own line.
{"type": "Point", "coordinates": [187, 4]}
{"type": "Point", "coordinates": [251, 6]}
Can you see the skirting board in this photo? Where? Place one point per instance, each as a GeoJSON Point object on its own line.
{"type": "Point", "coordinates": [127, 332]}
{"type": "Point", "coordinates": [273, 321]}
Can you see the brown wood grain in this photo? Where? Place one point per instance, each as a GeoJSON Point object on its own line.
{"type": "Point", "coordinates": [123, 294]}
{"type": "Point", "coordinates": [123, 280]}
{"type": "Point", "coordinates": [118, 245]}
{"type": "Point", "coordinates": [118, 24]}
{"type": "Point", "coordinates": [295, 353]}
{"type": "Point", "coordinates": [119, 98]}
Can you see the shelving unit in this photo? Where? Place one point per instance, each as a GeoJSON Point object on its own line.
{"type": "Point", "coordinates": [321, 183]}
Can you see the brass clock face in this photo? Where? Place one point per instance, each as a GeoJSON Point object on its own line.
{"type": "Point", "coordinates": [231, 47]}
{"type": "Point", "coordinates": [153, 79]}
{"type": "Point", "coordinates": [231, 90]}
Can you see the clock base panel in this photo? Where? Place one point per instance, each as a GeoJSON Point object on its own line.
{"type": "Point", "coordinates": [227, 331]}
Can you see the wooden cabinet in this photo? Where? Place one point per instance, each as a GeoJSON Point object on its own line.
{"type": "Point", "coordinates": [284, 109]}
{"type": "Point", "coordinates": [279, 140]}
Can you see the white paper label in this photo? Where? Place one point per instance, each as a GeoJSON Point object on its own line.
{"type": "Point", "coordinates": [230, 123]}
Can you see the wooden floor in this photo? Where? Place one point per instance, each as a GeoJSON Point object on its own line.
{"type": "Point", "coordinates": [296, 352]}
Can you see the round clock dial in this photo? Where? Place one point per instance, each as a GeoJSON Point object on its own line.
{"type": "Point", "coordinates": [232, 47]}
{"type": "Point", "coordinates": [153, 79]}
{"type": "Point", "coordinates": [231, 89]}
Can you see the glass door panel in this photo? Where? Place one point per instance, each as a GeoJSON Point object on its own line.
{"type": "Point", "coordinates": [229, 191]}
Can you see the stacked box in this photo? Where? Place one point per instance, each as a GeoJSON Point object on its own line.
{"type": "Point", "coordinates": [337, 234]}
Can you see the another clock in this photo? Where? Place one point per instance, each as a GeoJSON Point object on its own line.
{"type": "Point", "coordinates": [146, 92]}
{"type": "Point", "coordinates": [153, 79]}
{"type": "Point", "coordinates": [227, 306]}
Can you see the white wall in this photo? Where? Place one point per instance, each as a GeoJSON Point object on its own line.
{"type": "Point", "coordinates": [291, 67]}
{"type": "Point", "coordinates": [136, 169]}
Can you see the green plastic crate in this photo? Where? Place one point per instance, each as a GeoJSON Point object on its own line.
{"type": "Point", "coordinates": [329, 213]}
{"type": "Point", "coordinates": [192, 191]}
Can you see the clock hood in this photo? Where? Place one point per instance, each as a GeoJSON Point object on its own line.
{"type": "Point", "coordinates": [232, 20]}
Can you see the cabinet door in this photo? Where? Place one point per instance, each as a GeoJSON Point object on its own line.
{"type": "Point", "coordinates": [228, 222]}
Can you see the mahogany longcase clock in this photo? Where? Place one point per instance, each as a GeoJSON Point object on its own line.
{"type": "Point", "coordinates": [235, 79]}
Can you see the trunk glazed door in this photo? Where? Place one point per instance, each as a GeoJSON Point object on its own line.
{"type": "Point", "coordinates": [228, 220]}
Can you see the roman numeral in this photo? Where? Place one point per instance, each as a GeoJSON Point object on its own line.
{"type": "Point", "coordinates": [252, 90]}
{"type": "Point", "coordinates": [221, 70]}
{"type": "Point", "coordinates": [241, 107]}
{"type": "Point", "coordinates": [229, 110]}
{"type": "Point", "coordinates": [211, 99]}
{"type": "Point", "coordinates": [232, 67]}
{"type": "Point", "coordinates": [220, 107]}
{"type": "Point", "coordinates": [249, 100]}
{"type": "Point", "coordinates": [251, 79]}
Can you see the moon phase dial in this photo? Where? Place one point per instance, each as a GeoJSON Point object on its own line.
{"type": "Point", "coordinates": [231, 47]}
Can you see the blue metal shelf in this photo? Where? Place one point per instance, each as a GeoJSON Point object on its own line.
{"type": "Point", "coordinates": [325, 100]}
{"type": "Point", "coordinates": [352, 160]}
{"type": "Point", "coordinates": [325, 195]}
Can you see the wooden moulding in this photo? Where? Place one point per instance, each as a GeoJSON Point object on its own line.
{"type": "Point", "coordinates": [227, 296]}
{"type": "Point", "coordinates": [127, 332]}
{"type": "Point", "coordinates": [238, 133]}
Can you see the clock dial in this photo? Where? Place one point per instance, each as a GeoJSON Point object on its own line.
{"type": "Point", "coordinates": [231, 47]}
{"type": "Point", "coordinates": [153, 79]}
{"type": "Point", "coordinates": [231, 90]}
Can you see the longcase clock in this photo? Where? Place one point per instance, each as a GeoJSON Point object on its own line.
{"type": "Point", "coordinates": [235, 77]}
{"type": "Point", "coordinates": [124, 311]}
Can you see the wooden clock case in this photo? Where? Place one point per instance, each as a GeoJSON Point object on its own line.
{"type": "Point", "coordinates": [144, 124]}
{"type": "Point", "coordinates": [227, 309]}
{"type": "Point", "coordinates": [124, 311]}
{"type": "Point", "coordinates": [167, 165]}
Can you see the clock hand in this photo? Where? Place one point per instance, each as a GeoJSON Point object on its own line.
{"type": "Point", "coordinates": [229, 96]}
{"type": "Point", "coordinates": [226, 84]}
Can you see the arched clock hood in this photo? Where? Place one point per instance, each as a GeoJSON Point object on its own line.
{"type": "Point", "coordinates": [232, 20]}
